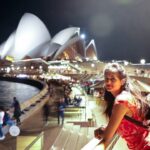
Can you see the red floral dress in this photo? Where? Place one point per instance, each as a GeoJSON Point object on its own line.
{"type": "Point", "coordinates": [137, 138]}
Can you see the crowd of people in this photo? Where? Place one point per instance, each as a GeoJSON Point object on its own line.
{"type": "Point", "coordinates": [9, 116]}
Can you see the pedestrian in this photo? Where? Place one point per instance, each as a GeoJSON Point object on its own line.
{"type": "Point", "coordinates": [8, 118]}
{"type": "Point", "coordinates": [17, 110]}
{"type": "Point", "coordinates": [2, 136]}
{"type": "Point", "coordinates": [46, 112]}
{"type": "Point", "coordinates": [123, 102]}
{"type": "Point", "coordinates": [61, 108]}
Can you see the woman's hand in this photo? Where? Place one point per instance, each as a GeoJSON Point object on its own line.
{"type": "Point", "coordinates": [98, 133]}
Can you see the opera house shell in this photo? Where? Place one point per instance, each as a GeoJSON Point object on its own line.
{"type": "Point", "coordinates": [91, 51]}
{"type": "Point", "coordinates": [32, 39]}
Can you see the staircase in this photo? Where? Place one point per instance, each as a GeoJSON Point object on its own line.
{"type": "Point", "coordinates": [72, 137]}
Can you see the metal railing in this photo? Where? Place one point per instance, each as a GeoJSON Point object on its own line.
{"type": "Point", "coordinates": [34, 142]}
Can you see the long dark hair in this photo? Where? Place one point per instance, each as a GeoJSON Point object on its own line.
{"type": "Point", "coordinates": [128, 86]}
{"type": "Point", "coordinates": [109, 98]}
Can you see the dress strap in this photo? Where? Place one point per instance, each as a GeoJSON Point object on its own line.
{"type": "Point", "coordinates": [138, 123]}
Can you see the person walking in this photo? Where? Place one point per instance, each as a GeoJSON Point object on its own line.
{"type": "Point", "coordinates": [61, 108]}
{"type": "Point", "coordinates": [17, 110]}
{"type": "Point", "coordinates": [8, 118]}
{"type": "Point", "coordinates": [2, 137]}
{"type": "Point", "coordinates": [46, 112]}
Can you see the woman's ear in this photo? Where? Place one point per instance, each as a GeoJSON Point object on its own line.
{"type": "Point", "coordinates": [123, 81]}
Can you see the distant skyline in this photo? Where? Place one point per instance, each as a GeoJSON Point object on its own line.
{"type": "Point", "coordinates": [120, 28]}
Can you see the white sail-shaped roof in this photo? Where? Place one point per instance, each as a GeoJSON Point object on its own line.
{"type": "Point", "coordinates": [53, 48]}
{"type": "Point", "coordinates": [1, 48]}
{"type": "Point", "coordinates": [32, 39]}
{"type": "Point", "coordinates": [91, 51]}
{"type": "Point", "coordinates": [63, 36]}
{"type": "Point", "coordinates": [73, 47]}
{"type": "Point", "coordinates": [8, 45]}
{"type": "Point", "coordinates": [40, 51]}
{"type": "Point", "coordinates": [31, 33]}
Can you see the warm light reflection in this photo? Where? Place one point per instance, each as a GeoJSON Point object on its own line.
{"type": "Point", "coordinates": [95, 58]}
{"type": "Point", "coordinates": [92, 65]}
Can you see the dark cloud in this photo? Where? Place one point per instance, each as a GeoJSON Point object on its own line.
{"type": "Point", "coordinates": [121, 28]}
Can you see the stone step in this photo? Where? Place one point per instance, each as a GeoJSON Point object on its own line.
{"type": "Point", "coordinates": [50, 136]}
{"type": "Point", "coordinates": [72, 140]}
{"type": "Point", "coordinates": [82, 140]}
{"type": "Point", "coordinates": [62, 138]}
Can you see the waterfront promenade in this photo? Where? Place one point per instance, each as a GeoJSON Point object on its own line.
{"type": "Point", "coordinates": [34, 129]}
{"type": "Point", "coordinates": [36, 133]}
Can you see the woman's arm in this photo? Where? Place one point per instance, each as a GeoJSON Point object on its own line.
{"type": "Point", "coordinates": [118, 112]}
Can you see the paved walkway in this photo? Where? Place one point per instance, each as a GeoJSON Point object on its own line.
{"type": "Point", "coordinates": [34, 126]}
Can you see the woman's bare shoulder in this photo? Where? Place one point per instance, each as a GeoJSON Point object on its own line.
{"type": "Point", "coordinates": [124, 95]}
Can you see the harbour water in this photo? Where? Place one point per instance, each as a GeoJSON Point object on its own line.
{"type": "Point", "coordinates": [23, 92]}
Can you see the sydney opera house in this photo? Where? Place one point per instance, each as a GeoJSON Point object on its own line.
{"type": "Point", "coordinates": [32, 40]}
{"type": "Point", "coordinates": [31, 47]}
{"type": "Point", "coordinates": [31, 44]}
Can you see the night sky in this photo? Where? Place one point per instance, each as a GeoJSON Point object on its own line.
{"type": "Point", "coordinates": [121, 28]}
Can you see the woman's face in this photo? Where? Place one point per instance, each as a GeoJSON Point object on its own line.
{"type": "Point", "coordinates": [113, 83]}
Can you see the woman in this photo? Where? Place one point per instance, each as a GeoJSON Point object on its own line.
{"type": "Point", "coordinates": [122, 100]}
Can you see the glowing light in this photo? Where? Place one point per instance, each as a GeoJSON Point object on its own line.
{"type": "Point", "coordinates": [40, 67]}
{"type": "Point", "coordinates": [126, 63]}
{"type": "Point", "coordinates": [142, 61]}
{"type": "Point", "coordinates": [18, 68]}
{"type": "Point", "coordinates": [22, 76]}
{"type": "Point", "coordinates": [8, 69]}
{"type": "Point", "coordinates": [82, 36]}
{"type": "Point", "coordinates": [87, 58]}
{"type": "Point", "coordinates": [95, 58]}
{"type": "Point", "coordinates": [76, 65]}
{"type": "Point", "coordinates": [92, 65]}
{"type": "Point", "coordinates": [32, 67]}
{"type": "Point", "coordinates": [9, 58]}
